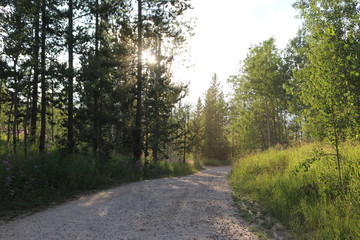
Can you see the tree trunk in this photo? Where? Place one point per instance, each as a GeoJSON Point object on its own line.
{"type": "Point", "coordinates": [15, 100]}
{"type": "Point", "coordinates": [52, 113]}
{"type": "Point", "coordinates": [336, 138]}
{"type": "Point", "coordinates": [146, 150]}
{"type": "Point", "coordinates": [138, 117]}
{"type": "Point", "coordinates": [1, 107]}
{"type": "Point", "coordinates": [43, 79]}
{"type": "Point", "coordinates": [268, 125]}
{"type": "Point", "coordinates": [300, 132]}
{"type": "Point", "coordinates": [70, 120]}
{"type": "Point", "coordinates": [96, 115]}
{"type": "Point", "coordinates": [184, 145]}
{"type": "Point", "coordinates": [286, 130]}
{"type": "Point", "coordinates": [9, 123]}
{"type": "Point", "coordinates": [274, 137]}
{"type": "Point", "coordinates": [34, 106]}
{"type": "Point", "coordinates": [26, 118]}
{"type": "Point", "coordinates": [156, 107]}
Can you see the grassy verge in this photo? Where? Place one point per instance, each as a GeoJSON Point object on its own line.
{"type": "Point", "coordinates": [32, 183]}
{"type": "Point", "coordinates": [300, 187]}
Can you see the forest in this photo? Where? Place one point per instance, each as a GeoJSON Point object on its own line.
{"type": "Point", "coordinates": [87, 99]}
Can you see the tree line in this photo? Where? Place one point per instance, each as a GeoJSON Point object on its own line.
{"type": "Point", "coordinates": [73, 75]}
{"type": "Point", "coordinates": [307, 91]}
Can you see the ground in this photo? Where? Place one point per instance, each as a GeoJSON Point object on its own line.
{"type": "Point", "coordinates": [198, 206]}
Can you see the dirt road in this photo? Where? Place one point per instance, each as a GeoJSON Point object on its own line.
{"type": "Point", "coordinates": [192, 207]}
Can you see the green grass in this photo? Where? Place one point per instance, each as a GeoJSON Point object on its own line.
{"type": "Point", "coordinates": [300, 187]}
{"type": "Point", "coordinates": [167, 169]}
{"type": "Point", "coordinates": [215, 162]}
{"type": "Point", "coordinates": [34, 182]}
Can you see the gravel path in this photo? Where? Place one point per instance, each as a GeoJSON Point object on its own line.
{"type": "Point", "coordinates": [192, 207]}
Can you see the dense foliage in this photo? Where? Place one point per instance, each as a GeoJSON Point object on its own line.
{"type": "Point", "coordinates": [81, 99]}
{"type": "Point", "coordinates": [259, 111]}
{"type": "Point", "coordinates": [208, 127]}
{"type": "Point", "coordinates": [32, 183]}
{"type": "Point", "coordinates": [306, 92]}
{"type": "Point", "coordinates": [77, 64]}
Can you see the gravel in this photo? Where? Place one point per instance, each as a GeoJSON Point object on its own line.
{"type": "Point", "coordinates": [198, 206]}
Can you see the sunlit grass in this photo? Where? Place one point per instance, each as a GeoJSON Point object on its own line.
{"type": "Point", "coordinates": [300, 187]}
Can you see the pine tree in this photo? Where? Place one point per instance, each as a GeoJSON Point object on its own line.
{"type": "Point", "coordinates": [43, 77]}
{"type": "Point", "coordinates": [70, 40]}
{"type": "Point", "coordinates": [196, 130]}
{"type": "Point", "coordinates": [215, 145]}
{"type": "Point", "coordinates": [139, 87]}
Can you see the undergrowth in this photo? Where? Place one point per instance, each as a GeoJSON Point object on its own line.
{"type": "Point", "coordinates": [301, 188]}
{"type": "Point", "coordinates": [215, 162]}
{"type": "Point", "coordinates": [35, 181]}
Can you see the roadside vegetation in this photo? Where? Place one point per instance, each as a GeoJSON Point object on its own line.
{"type": "Point", "coordinates": [87, 98]}
{"type": "Point", "coordinates": [301, 188]}
{"type": "Point", "coordinates": [306, 93]}
{"type": "Point", "coordinates": [111, 113]}
{"type": "Point", "coordinates": [37, 181]}
{"type": "Point", "coordinates": [91, 103]}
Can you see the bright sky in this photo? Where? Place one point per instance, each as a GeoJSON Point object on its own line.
{"type": "Point", "coordinates": [225, 31]}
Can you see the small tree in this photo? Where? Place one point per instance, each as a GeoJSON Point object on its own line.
{"type": "Point", "coordinates": [328, 85]}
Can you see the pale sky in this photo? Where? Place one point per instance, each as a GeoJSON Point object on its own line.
{"type": "Point", "coordinates": [225, 31]}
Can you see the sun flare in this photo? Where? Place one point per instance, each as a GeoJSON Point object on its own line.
{"type": "Point", "coordinates": [149, 57]}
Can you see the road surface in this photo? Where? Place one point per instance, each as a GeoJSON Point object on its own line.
{"type": "Point", "coordinates": [198, 206]}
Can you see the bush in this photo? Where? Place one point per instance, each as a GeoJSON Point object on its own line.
{"type": "Point", "coordinates": [40, 179]}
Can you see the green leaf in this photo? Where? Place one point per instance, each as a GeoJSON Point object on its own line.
{"type": "Point", "coordinates": [330, 31]}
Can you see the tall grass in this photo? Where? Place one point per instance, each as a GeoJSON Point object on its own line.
{"type": "Point", "coordinates": [300, 187]}
{"type": "Point", "coordinates": [37, 180]}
